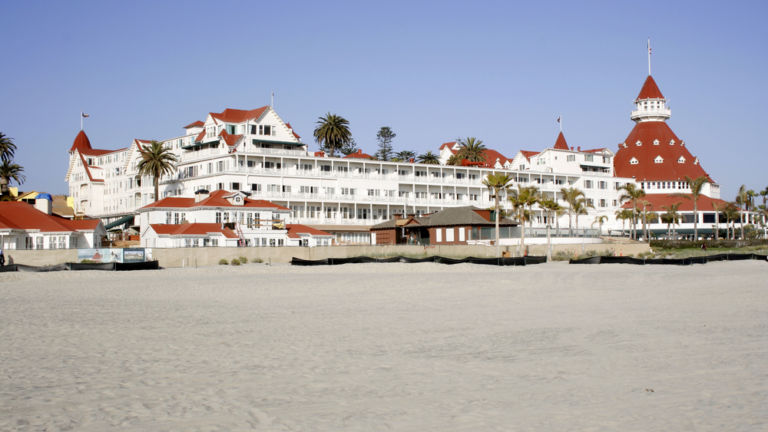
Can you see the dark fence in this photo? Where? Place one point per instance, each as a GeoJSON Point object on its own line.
{"type": "Point", "coordinates": [507, 261]}
{"type": "Point", "coordinates": [113, 266]}
{"type": "Point", "coordinates": [668, 261]}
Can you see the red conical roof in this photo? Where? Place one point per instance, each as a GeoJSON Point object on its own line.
{"type": "Point", "coordinates": [81, 143]}
{"type": "Point", "coordinates": [560, 144]}
{"type": "Point", "coordinates": [650, 90]}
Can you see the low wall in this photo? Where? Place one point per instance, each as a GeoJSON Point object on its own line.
{"type": "Point", "coordinates": [193, 257]}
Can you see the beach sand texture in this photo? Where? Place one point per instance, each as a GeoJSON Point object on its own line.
{"type": "Point", "coordinates": [402, 347]}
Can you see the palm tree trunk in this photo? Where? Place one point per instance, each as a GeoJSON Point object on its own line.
{"type": "Point", "coordinates": [157, 188]}
{"type": "Point", "coordinates": [717, 226]}
{"type": "Point", "coordinates": [741, 222]}
{"type": "Point", "coordinates": [498, 216]}
{"type": "Point", "coordinates": [695, 220]}
{"type": "Point", "coordinates": [570, 223]}
{"type": "Point", "coordinates": [522, 236]}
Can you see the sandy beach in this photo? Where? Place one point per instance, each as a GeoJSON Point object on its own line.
{"type": "Point", "coordinates": [402, 347]}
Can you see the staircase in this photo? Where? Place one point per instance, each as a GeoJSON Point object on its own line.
{"type": "Point", "coordinates": [240, 235]}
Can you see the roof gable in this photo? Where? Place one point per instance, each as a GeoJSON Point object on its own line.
{"type": "Point", "coordinates": [649, 90]}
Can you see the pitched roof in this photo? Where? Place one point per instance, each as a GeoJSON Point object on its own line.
{"type": "Point", "coordinates": [192, 229]}
{"type": "Point", "coordinates": [646, 168]}
{"type": "Point", "coordinates": [215, 199]}
{"type": "Point", "coordinates": [292, 131]}
{"type": "Point", "coordinates": [448, 145]}
{"type": "Point", "coordinates": [23, 216]}
{"type": "Point", "coordinates": [230, 140]}
{"type": "Point", "coordinates": [528, 153]}
{"type": "Point", "coordinates": [295, 229]}
{"type": "Point", "coordinates": [230, 115]}
{"type": "Point", "coordinates": [658, 201]}
{"type": "Point", "coordinates": [358, 155]}
{"type": "Point", "coordinates": [81, 142]}
{"type": "Point", "coordinates": [468, 215]}
{"type": "Point", "coordinates": [560, 143]}
{"type": "Point", "coordinates": [197, 123]}
{"type": "Point", "coordinates": [649, 90]}
{"type": "Point", "coordinates": [88, 169]}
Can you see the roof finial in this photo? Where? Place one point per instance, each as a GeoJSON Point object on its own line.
{"type": "Point", "coordinates": [649, 56]}
{"type": "Point", "coordinates": [82, 116]}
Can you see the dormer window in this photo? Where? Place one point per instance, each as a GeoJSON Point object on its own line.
{"type": "Point", "coordinates": [634, 161]}
{"type": "Point", "coordinates": [671, 142]}
{"type": "Point", "coordinates": [639, 143]}
{"type": "Point", "coordinates": [681, 160]}
{"type": "Point", "coordinates": [655, 142]}
{"type": "Point", "coordinates": [696, 161]}
{"type": "Point", "coordinates": [659, 159]}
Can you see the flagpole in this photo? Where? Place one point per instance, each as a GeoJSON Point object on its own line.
{"type": "Point", "coordinates": [649, 56]}
{"type": "Point", "coordinates": [81, 120]}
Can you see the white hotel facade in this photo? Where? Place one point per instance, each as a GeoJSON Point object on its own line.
{"type": "Point", "coordinates": [255, 151]}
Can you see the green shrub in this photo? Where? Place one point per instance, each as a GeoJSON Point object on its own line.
{"type": "Point", "coordinates": [223, 261]}
{"type": "Point", "coordinates": [243, 260]}
{"type": "Point", "coordinates": [235, 262]}
{"type": "Point", "coordinates": [257, 260]}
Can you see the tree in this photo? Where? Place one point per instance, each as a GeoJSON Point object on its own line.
{"type": "Point", "coordinates": [404, 156]}
{"type": "Point", "coordinates": [571, 195]}
{"type": "Point", "coordinates": [384, 136]}
{"type": "Point", "coordinates": [9, 171]}
{"type": "Point", "coordinates": [646, 205]}
{"type": "Point", "coordinates": [671, 217]}
{"type": "Point", "coordinates": [600, 220]}
{"type": "Point", "coordinates": [496, 184]}
{"type": "Point", "coordinates": [428, 158]}
{"type": "Point", "coordinates": [7, 148]}
{"type": "Point", "coordinates": [550, 207]}
{"type": "Point", "coordinates": [349, 147]}
{"type": "Point", "coordinates": [472, 149]}
{"type": "Point", "coordinates": [623, 215]}
{"type": "Point", "coordinates": [731, 214]}
{"type": "Point", "coordinates": [454, 160]}
{"type": "Point", "coordinates": [696, 185]}
{"type": "Point", "coordinates": [523, 199]}
{"type": "Point", "coordinates": [632, 193]}
{"type": "Point", "coordinates": [332, 133]}
{"type": "Point", "coordinates": [156, 161]}
{"type": "Point", "coordinates": [718, 208]}
{"type": "Point", "coordinates": [580, 207]}
{"type": "Point", "coordinates": [745, 198]}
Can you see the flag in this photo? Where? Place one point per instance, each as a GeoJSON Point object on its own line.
{"type": "Point", "coordinates": [558, 119]}
{"type": "Point", "coordinates": [649, 47]}
{"type": "Point", "coordinates": [85, 115]}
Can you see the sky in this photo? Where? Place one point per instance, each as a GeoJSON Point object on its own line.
{"type": "Point", "coordinates": [432, 71]}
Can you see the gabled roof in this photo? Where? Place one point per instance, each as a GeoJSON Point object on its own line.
{"type": "Point", "coordinates": [449, 145]}
{"type": "Point", "coordinates": [200, 136]}
{"type": "Point", "coordinates": [215, 199]}
{"type": "Point", "coordinates": [529, 154]}
{"type": "Point", "coordinates": [658, 201]}
{"type": "Point", "coordinates": [22, 216]}
{"type": "Point", "coordinates": [231, 115]}
{"type": "Point", "coordinates": [649, 90]}
{"type": "Point", "coordinates": [193, 229]}
{"type": "Point", "coordinates": [358, 155]}
{"type": "Point", "coordinates": [560, 143]}
{"type": "Point", "coordinates": [465, 216]}
{"type": "Point", "coordinates": [294, 231]}
{"type": "Point", "coordinates": [87, 169]}
{"type": "Point", "coordinates": [197, 123]}
{"type": "Point", "coordinates": [81, 142]}
{"type": "Point", "coordinates": [670, 148]}
{"type": "Point", "coordinates": [230, 140]}
{"type": "Point", "coordinates": [292, 131]}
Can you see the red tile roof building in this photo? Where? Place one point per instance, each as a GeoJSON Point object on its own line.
{"type": "Point", "coordinates": [25, 226]}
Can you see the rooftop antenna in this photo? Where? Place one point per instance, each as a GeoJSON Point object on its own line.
{"type": "Point", "coordinates": [82, 116]}
{"type": "Point", "coordinates": [649, 56]}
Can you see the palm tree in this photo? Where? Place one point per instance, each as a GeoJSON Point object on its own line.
{"type": "Point", "coordinates": [731, 214]}
{"type": "Point", "coordinates": [600, 220]}
{"type": "Point", "coordinates": [156, 161]}
{"type": "Point", "coordinates": [332, 133]}
{"type": "Point", "coordinates": [718, 208]}
{"type": "Point", "coordinates": [671, 217]}
{"type": "Point", "coordinates": [571, 195]}
{"type": "Point", "coordinates": [632, 193]}
{"type": "Point", "coordinates": [523, 199]}
{"type": "Point", "coordinates": [550, 207]}
{"type": "Point", "coordinates": [428, 158]}
{"type": "Point", "coordinates": [9, 171]}
{"type": "Point", "coordinates": [472, 149]}
{"type": "Point", "coordinates": [696, 186]}
{"type": "Point", "coordinates": [7, 148]}
{"type": "Point", "coordinates": [623, 215]}
{"type": "Point", "coordinates": [453, 160]}
{"type": "Point", "coordinates": [646, 205]}
{"type": "Point", "coordinates": [580, 207]}
{"type": "Point", "coordinates": [496, 184]}
{"type": "Point", "coordinates": [404, 156]}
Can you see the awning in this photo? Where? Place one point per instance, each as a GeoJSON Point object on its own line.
{"type": "Point", "coordinates": [122, 220]}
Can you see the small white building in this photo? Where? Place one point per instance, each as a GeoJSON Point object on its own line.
{"type": "Point", "coordinates": [223, 219]}
{"type": "Point", "coordinates": [27, 226]}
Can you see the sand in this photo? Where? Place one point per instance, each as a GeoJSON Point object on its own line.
{"type": "Point", "coordinates": [402, 347]}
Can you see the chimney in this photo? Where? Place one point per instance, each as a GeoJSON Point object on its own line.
{"type": "Point", "coordinates": [43, 203]}
{"type": "Point", "coordinates": [397, 216]}
{"type": "Point", "coordinates": [578, 148]}
{"type": "Point", "coordinates": [200, 195]}
{"type": "Point", "coordinates": [571, 148]}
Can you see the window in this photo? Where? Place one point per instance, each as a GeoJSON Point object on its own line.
{"type": "Point", "coordinates": [235, 186]}
{"type": "Point", "coordinates": [218, 217]}
{"type": "Point", "coordinates": [681, 160]}
{"type": "Point", "coordinates": [588, 184]}
{"type": "Point", "coordinates": [438, 235]}
{"type": "Point", "coordinates": [589, 158]}
{"type": "Point", "coordinates": [449, 234]}
{"type": "Point", "coordinates": [639, 143]}
{"type": "Point", "coordinates": [462, 234]}
{"type": "Point", "coordinates": [602, 203]}
{"type": "Point", "coordinates": [602, 185]}
{"type": "Point", "coordinates": [255, 187]}
{"type": "Point", "coordinates": [570, 158]}
{"type": "Point", "coordinates": [658, 160]}
{"type": "Point", "coordinates": [671, 142]}
{"type": "Point", "coordinates": [655, 142]}
{"type": "Point", "coordinates": [167, 217]}
{"type": "Point", "coordinates": [633, 161]}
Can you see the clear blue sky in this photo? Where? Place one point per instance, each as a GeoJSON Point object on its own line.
{"type": "Point", "coordinates": [433, 71]}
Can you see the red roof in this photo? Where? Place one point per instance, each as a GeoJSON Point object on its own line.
{"type": "Point", "coordinates": [194, 124]}
{"type": "Point", "coordinates": [358, 155]}
{"type": "Point", "coordinates": [560, 144]}
{"type": "Point", "coordinates": [229, 139]}
{"type": "Point", "coordinates": [295, 229]}
{"type": "Point", "coordinates": [81, 143]}
{"type": "Point", "coordinates": [319, 154]}
{"type": "Point", "coordinates": [192, 229]}
{"type": "Point", "coordinates": [88, 169]}
{"type": "Point", "coordinates": [215, 199]}
{"type": "Point", "coordinates": [528, 154]}
{"type": "Point", "coordinates": [646, 153]}
{"type": "Point", "coordinates": [23, 216]}
{"type": "Point", "coordinates": [659, 201]}
{"type": "Point", "coordinates": [292, 131]}
{"type": "Point", "coordinates": [230, 115]}
{"type": "Point", "coordinates": [650, 90]}
{"type": "Point", "coordinates": [200, 136]}
{"type": "Point", "coordinates": [449, 145]}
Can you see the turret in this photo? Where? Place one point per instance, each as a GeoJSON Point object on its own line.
{"type": "Point", "coordinates": [650, 104]}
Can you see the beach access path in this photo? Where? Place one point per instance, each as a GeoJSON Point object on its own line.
{"type": "Point", "coordinates": [402, 347]}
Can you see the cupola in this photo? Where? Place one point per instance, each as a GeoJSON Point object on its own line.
{"type": "Point", "coordinates": [650, 104]}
